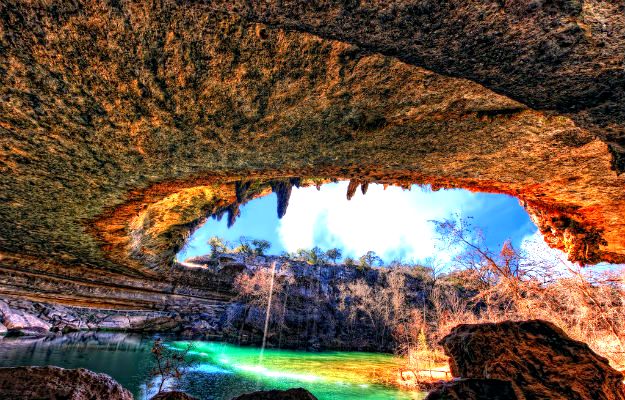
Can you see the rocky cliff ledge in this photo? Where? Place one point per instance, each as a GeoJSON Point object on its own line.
{"type": "Point", "coordinates": [123, 124]}
{"type": "Point", "coordinates": [314, 307]}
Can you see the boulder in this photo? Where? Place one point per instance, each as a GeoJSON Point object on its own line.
{"type": "Point", "coordinates": [290, 394]}
{"type": "Point", "coordinates": [22, 321]}
{"type": "Point", "coordinates": [30, 383]}
{"type": "Point", "coordinates": [536, 357]}
{"type": "Point", "coordinates": [173, 395]}
{"type": "Point", "coordinates": [474, 389]}
{"type": "Point", "coordinates": [154, 323]}
{"type": "Point", "coordinates": [4, 309]}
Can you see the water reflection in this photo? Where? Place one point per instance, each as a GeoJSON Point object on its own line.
{"type": "Point", "coordinates": [125, 357]}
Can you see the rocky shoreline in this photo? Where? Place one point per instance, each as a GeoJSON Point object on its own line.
{"type": "Point", "coordinates": [23, 317]}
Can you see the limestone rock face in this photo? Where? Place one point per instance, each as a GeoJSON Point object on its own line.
{"type": "Point", "coordinates": [536, 357]}
{"type": "Point", "coordinates": [109, 158]}
{"type": "Point", "coordinates": [565, 56]}
{"type": "Point", "coordinates": [474, 389]}
{"type": "Point", "coordinates": [34, 383]}
{"type": "Point", "coordinates": [58, 318]}
{"type": "Point", "coordinates": [21, 321]}
{"type": "Point", "coordinates": [290, 394]}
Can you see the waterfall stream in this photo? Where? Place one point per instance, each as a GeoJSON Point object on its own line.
{"type": "Point", "coordinates": [268, 313]}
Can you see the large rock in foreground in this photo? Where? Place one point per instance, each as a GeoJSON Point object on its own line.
{"type": "Point", "coordinates": [173, 395]}
{"type": "Point", "coordinates": [291, 394]}
{"type": "Point", "coordinates": [30, 383]}
{"type": "Point", "coordinates": [537, 357]}
{"type": "Point", "coordinates": [474, 389]}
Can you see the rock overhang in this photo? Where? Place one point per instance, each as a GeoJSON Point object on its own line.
{"type": "Point", "coordinates": [125, 124]}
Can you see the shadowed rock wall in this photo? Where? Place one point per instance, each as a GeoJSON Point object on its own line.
{"type": "Point", "coordinates": [537, 358]}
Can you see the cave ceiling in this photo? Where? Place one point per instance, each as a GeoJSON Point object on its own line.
{"type": "Point", "coordinates": [124, 124]}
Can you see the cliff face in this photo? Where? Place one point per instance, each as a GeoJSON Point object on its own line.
{"type": "Point", "coordinates": [323, 306]}
{"type": "Point", "coordinates": [123, 125]}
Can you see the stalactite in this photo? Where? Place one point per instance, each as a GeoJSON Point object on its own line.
{"type": "Point", "coordinates": [233, 213]}
{"type": "Point", "coordinates": [241, 189]}
{"type": "Point", "coordinates": [282, 189]}
{"type": "Point", "coordinates": [364, 187]}
{"type": "Point", "coordinates": [385, 186]}
{"type": "Point", "coordinates": [296, 182]}
{"type": "Point", "coordinates": [351, 188]}
{"type": "Point", "coordinates": [219, 214]}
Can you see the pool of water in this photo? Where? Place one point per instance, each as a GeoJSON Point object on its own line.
{"type": "Point", "coordinates": [220, 372]}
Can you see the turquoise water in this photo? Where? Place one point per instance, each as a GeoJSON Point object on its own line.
{"type": "Point", "coordinates": [221, 371]}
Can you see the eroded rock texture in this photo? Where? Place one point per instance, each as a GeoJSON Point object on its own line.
{"type": "Point", "coordinates": [36, 318]}
{"type": "Point", "coordinates": [565, 56]}
{"type": "Point", "coordinates": [123, 125]}
{"type": "Point", "coordinates": [173, 395]}
{"type": "Point", "coordinates": [474, 389]}
{"type": "Point", "coordinates": [21, 322]}
{"type": "Point", "coordinates": [33, 383]}
{"type": "Point", "coordinates": [536, 357]}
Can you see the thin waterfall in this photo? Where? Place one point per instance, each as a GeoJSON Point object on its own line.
{"type": "Point", "coordinates": [268, 313]}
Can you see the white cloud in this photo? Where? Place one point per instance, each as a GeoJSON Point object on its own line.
{"type": "Point", "coordinates": [390, 222]}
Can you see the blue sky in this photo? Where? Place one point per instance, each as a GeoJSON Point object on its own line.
{"type": "Point", "coordinates": [395, 223]}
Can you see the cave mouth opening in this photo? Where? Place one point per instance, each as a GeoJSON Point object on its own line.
{"type": "Point", "coordinates": [397, 224]}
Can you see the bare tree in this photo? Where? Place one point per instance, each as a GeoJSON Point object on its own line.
{"type": "Point", "coordinates": [169, 364]}
{"type": "Point", "coordinates": [588, 305]}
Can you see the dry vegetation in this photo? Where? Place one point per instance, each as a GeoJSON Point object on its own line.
{"type": "Point", "coordinates": [586, 302]}
{"type": "Point", "coordinates": [410, 308]}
